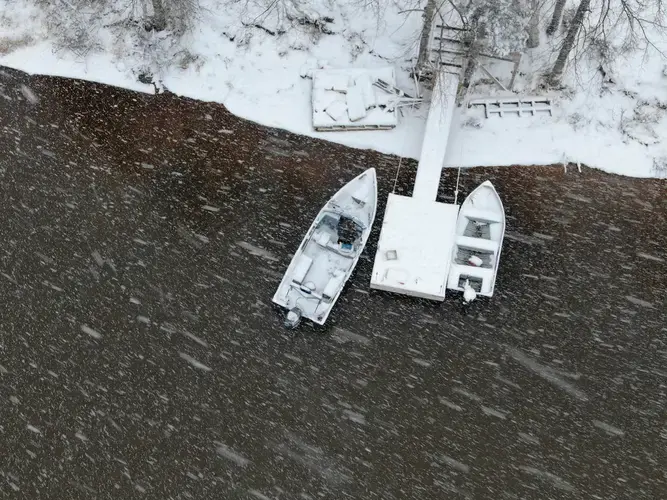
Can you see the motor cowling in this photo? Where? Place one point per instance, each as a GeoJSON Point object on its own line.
{"type": "Point", "coordinates": [293, 318]}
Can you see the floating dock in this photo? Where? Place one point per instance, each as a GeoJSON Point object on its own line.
{"type": "Point", "coordinates": [417, 237]}
{"type": "Point", "coordinates": [414, 252]}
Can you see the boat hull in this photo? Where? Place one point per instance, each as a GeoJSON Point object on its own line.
{"type": "Point", "coordinates": [330, 250]}
{"type": "Point", "coordinates": [480, 232]}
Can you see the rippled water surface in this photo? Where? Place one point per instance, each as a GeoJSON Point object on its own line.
{"type": "Point", "coordinates": [142, 238]}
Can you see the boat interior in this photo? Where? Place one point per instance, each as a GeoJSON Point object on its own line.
{"type": "Point", "coordinates": [477, 250]}
{"type": "Point", "coordinates": [327, 257]}
{"type": "Point", "coordinates": [475, 230]}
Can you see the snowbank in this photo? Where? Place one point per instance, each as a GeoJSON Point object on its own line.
{"type": "Point", "coordinates": [231, 57]}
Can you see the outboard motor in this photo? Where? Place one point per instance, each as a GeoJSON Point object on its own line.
{"type": "Point", "coordinates": [469, 293]}
{"type": "Point", "coordinates": [348, 231]}
{"type": "Point", "coordinates": [292, 318]}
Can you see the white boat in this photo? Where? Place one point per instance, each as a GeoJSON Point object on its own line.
{"type": "Point", "coordinates": [480, 230]}
{"type": "Point", "coordinates": [329, 252]}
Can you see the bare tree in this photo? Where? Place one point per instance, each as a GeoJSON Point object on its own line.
{"type": "Point", "coordinates": [616, 26]}
{"type": "Point", "coordinates": [556, 17]}
{"type": "Point", "coordinates": [174, 15]}
{"type": "Point", "coordinates": [629, 23]}
{"type": "Point", "coordinates": [557, 70]}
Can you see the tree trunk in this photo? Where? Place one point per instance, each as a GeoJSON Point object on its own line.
{"type": "Point", "coordinates": [568, 43]}
{"type": "Point", "coordinates": [534, 26]}
{"type": "Point", "coordinates": [470, 38]}
{"type": "Point", "coordinates": [556, 18]}
{"type": "Point", "coordinates": [424, 49]}
{"type": "Point", "coordinates": [468, 73]}
{"type": "Point", "coordinates": [159, 15]}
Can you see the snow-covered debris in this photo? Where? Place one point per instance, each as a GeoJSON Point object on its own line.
{"type": "Point", "coordinates": [494, 413]}
{"type": "Point", "coordinates": [226, 452]}
{"type": "Point", "coordinates": [547, 373]}
{"type": "Point", "coordinates": [639, 302]}
{"type": "Point", "coordinates": [199, 341]}
{"type": "Point", "coordinates": [608, 428]}
{"type": "Point", "coordinates": [29, 94]}
{"type": "Point", "coordinates": [32, 428]}
{"type": "Point", "coordinates": [346, 99]}
{"type": "Point", "coordinates": [257, 251]}
{"type": "Point", "coordinates": [90, 331]}
{"type": "Point", "coordinates": [258, 494]}
{"type": "Point", "coordinates": [342, 336]}
{"type": "Point", "coordinates": [194, 362]}
{"type": "Point", "coordinates": [356, 107]}
{"type": "Point", "coordinates": [558, 482]}
{"type": "Point", "coordinates": [453, 463]}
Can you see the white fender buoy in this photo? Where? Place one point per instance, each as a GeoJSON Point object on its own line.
{"type": "Point", "coordinates": [475, 261]}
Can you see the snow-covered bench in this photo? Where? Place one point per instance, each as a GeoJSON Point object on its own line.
{"type": "Point", "coordinates": [483, 215]}
{"type": "Point", "coordinates": [333, 285]}
{"type": "Point", "coordinates": [301, 269]}
{"type": "Point", "coordinates": [481, 244]}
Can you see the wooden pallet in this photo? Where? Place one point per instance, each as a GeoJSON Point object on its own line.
{"type": "Point", "coordinates": [514, 106]}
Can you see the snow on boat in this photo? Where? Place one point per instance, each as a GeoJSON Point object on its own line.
{"type": "Point", "coordinates": [480, 230]}
{"type": "Point", "coordinates": [329, 252]}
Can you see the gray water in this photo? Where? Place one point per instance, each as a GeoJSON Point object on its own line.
{"type": "Point", "coordinates": [141, 240]}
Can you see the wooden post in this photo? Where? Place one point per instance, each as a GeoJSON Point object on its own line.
{"type": "Point", "coordinates": [516, 57]}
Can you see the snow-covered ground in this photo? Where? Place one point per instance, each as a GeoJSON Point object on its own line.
{"type": "Point", "coordinates": [236, 55]}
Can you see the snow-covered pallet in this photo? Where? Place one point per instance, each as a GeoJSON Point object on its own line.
{"type": "Point", "coordinates": [349, 99]}
{"type": "Point", "coordinates": [514, 106]}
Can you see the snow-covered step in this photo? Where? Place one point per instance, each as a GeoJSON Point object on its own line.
{"type": "Point", "coordinates": [514, 106]}
{"type": "Point", "coordinates": [447, 58]}
{"type": "Point", "coordinates": [445, 46]}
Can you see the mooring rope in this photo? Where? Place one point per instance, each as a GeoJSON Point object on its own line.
{"type": "Point", "coordinates": [400, 159]}
{"type": "Point", "coordinates": [456, 192]}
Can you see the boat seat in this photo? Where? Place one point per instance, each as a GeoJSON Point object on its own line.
{"type": "Point", "coordinates": [322, 238]}
{"type": "Point", "coordinates": [301, 269]}
{"type": "Point", "coordinates": [481, 244]}
{"type": "Point", "coordinates": [482, 215]}
{"type": "Point", "coordinates": [333, 285]}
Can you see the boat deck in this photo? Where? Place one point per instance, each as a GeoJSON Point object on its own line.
{"type": "Point", "coordinates": [415, 249]}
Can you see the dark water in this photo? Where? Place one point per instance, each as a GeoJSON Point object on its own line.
{"type": "Point", "coordinates": [142, 238]}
